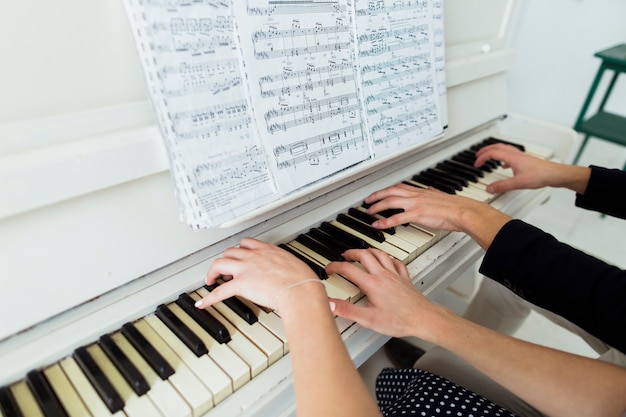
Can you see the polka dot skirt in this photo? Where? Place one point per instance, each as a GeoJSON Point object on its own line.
{"type": "Point", "coordinates": [402, 392]}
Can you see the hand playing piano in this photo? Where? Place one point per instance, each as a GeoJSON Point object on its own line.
{"type": "Point", "coordinates": [531, 172]}
{"type": "Point", "coordinates": [438, 210]}
{"type": "Point", "coordinates": [394, 306]}
{"type": "Point", "coordinates": [257, 271]}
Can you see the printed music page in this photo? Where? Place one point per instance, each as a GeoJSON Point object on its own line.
{"type": "Point", "coordinates": [257, 99]}
{"type": "Point", "coordinates": [298, 59]}
{"type": "Point", "coordinates": [193, 72]}
{"type": "Point", "coordinates": [396, 52]}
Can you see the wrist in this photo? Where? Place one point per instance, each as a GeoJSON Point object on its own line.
{"type": "Point", "coordinates": [299, 299]}
{"type": "Point", "coordinates": [482, 223]}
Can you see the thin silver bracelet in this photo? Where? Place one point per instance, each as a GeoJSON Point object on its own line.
{"type": "Point", "coordinates": [288, 287]}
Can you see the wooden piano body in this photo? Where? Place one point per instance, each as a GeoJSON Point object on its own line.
{"type": "Point", "coordinates": [90, 237]}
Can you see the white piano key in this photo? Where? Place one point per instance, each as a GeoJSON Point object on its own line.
{"type": "Point", "coordinates": [384, 246]}
{"type": "Point", "coordinates": [134, 406]}
{"type": "Point", "coordinates": [336, 286]}
{"type": "Point", "coordinates": [186, 383]}
{"type": "Point", "coordinates": [260, 336]}
{"type": "Point", "coordinates": [242, 346]}
{"type": "Point", "coordinates": [203, 367]}
{"type": "Point", "coordinates": [162, 393]}
{"type": "Point", "coordinates": [26, 400]}
{"type": "Point", "coordinates": [418, 237]}
{"type": "Point", "coordinates": [67, 395]}
{"type": "Point", "coordinates": [237, 370]}
{"type": "Point", "coordinates": [271, 321]}
{"type": "Point", "coordinates": [87, 392]}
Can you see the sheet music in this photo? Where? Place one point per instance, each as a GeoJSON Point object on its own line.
{"type": "Point", "coordinates": [300, 66]}
{"type": "Point", "coordinates": [397, 69]}
{"type": "Point", "coordinates": [194, 74]}
{"type": "Point", "coordinates": [259, 98]}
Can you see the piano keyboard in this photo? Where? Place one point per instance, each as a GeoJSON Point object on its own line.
{"type": "Point", "coordinates": [181, 361]}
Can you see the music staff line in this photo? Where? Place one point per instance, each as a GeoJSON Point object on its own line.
{"type": "Point", "coordinates": [322, 140]}
{"type": "Point", "coordinates": [296, 6]}
{"type": "Point", "coordinates": [313, 158]}
{"type": "Point", "coordinates": [376, 7]}
{"type": "Point", "coordinates": [381, 47]}
{"type": "Point", "coordinates": [306, 86]}
{"type": "Point", "coordinates": [313, 106]}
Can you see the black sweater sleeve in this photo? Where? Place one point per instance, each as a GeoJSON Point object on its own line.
{"type": "Point", "coordinates": [606, 192]}
{"type": "Point", "coordinates": [559, 278]}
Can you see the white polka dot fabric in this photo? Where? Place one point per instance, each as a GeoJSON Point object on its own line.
{"type": "Point", "coordinates": [402, 392]}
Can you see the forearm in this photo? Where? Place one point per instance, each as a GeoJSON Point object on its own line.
{"type": "Point", "coordinates": [572, 177]}
{"type": "Point", "coordinates": [482, 223]}
{"type": "Point", "coordinates": [326, 382]}
{"type": "Point", "coordinates": [557, 383]}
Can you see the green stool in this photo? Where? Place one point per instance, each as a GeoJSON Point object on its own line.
{"type": "Point", "coordinates": [604, 125]}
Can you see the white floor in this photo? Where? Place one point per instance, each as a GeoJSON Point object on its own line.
{"type": "Point", "coordinates": [602, 237]}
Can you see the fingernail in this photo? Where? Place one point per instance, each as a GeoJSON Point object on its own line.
{"type": "Point", "coordinates": [490, 189]}
{"type": "Point", "coordinates": [332, 305]}
{"type": "Point", "coordinates": [198, 304]}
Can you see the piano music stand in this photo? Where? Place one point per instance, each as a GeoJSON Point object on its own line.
{"type": "Point", "coordinates": [604, 125]}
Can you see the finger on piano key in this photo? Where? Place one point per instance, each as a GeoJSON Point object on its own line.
{"type": "Point", "coordinates": [248, 351]}
{"type": "Point", "coordinates": [384, 246]}
{"type": "Point", "coordinates": [98, 379]}
{"type": "Point", "coordinates": [8, 406]}
{"type": "Point", "coordinates": [181, 331]}
{"type": "Point", "coordinates": [149, 353]}
{"type": "Point", "coordinates": [336, 285]}
{"type": "Point", "coordinates": [208, 322]}
{"type": "Point", "coordinates": [161, 392]}
{"type": "Point", "coordinates": [44, 394]}
{"type": "Point", "coordinates": [233, 365]}
{"type": "Point", "coordinates": [65, 391]}
{"type": "Point", "coordinates": [128, 370]}
{"type": "Point", "coordinates": [316, 267]}
{"type": "Point", "coordinates": [25, 400]}
{"type": "Point", "coordinates": [203, 366]}
{"type": "Point", "coordinates": [268, 319]}
{"type": "Point", "coordinates": [408, 247]}
{"type": "Point", "coordinates": [237, 306]}
{"type": "Point", "coordinates": [134, 405]}
{"type": "Point", "coordinates": [183, 379]}
{"type": "Point", "coordinates": [86, 391]}
{"type": "Point", "coordinates": [266, 341]}
{"type": "Point", "coordinates": [419, 238]}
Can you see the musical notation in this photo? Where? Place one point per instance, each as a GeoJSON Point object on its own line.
{"type": "Point", "coordinates": [396, 55]}
{"type": "Point", "coordinates": [259, 98]}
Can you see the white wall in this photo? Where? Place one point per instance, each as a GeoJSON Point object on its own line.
{"type": "Point", "coordinates": [555, 41]}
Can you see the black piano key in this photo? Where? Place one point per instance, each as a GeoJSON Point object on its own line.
{"type": "Point", "coordinates": [368, 218]}
{"type": "Point", "coordinates": [469, 176]}
{"type": "Point", "coordinates": [147, 351]}
{"type": "Point", "coordinates": [464, 167]}
{"type": "Point", "coordinates": [8, 405]}
{"type": "Point", "coordinates": [319, 248]}
{"type": "Point", "coordinates": [492, 140]}
{"type": "Point", "coordinates": [387, 213]}
{"type": "Point", "coordinates": [434, 183]}
{"type": "Point", "coordinates": [44, 394]}
{"type": "Point", "coordinates": [326, 239]}
{"type": "Point", "coordinates": [363, 228]}
{"type": "Point", "coordinates": [449, 175]}
{"type": "Point", "coordinates": [209, 323]}
{"type": "Point", "coordinates": [128, 370]}
{"type": "Point", "coordinates": [98, 379]}
{"type": "Point", "coordinates": [344, 237]}
{"type": "Point", "coordinates": [237, 306]}
{"type": "Point", "coordinates": [318, 269]}
{"type": "Point", "coordinates": [442, 180]}
{"type": "Point", "coordinates": [180, 329]}
{"type": "Point", "coordinates": [491, 163]}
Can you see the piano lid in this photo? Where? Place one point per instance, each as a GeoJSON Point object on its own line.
{"type": "Point", "coordinates": [87, 203]}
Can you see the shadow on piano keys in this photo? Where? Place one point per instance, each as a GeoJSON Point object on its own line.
{"type": "Point", "coordinates": [180, 361]}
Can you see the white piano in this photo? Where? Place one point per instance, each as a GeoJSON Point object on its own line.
{"type": "Point", "coordinates": [90, 237]}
